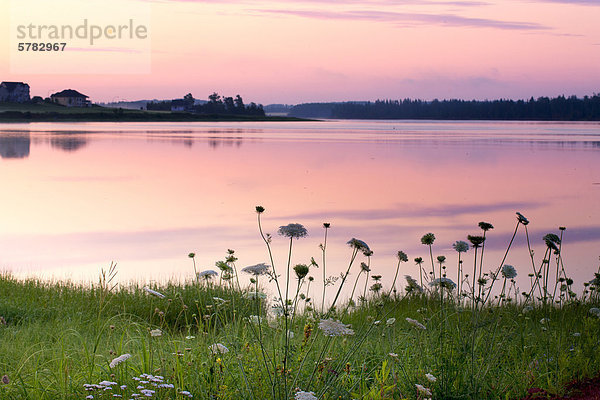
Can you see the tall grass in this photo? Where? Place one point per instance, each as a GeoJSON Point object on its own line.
{"type": "Point", "coordinates": [211, 338]}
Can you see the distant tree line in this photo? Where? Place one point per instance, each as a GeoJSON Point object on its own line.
{"type": "Point", "coordinates": [560, 108]}
{"type": "Point", "coordinates": [215, 105]}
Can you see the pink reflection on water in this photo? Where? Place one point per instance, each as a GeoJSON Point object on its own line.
{"type": "Point", "coordinates": [145, 195]}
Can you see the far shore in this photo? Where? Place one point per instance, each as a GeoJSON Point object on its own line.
{"type": "Point", "coordinates": [14, 112]}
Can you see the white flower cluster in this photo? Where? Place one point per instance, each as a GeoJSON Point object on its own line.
{"type": "Point", "coordinates": [331, 327]}
{"type": "Point", "coordinates": [218, 348]}
{"type": "Point", "coordinates": [415, 323]}
{"type": "Point", "coordinates": [120, 359]}
{"type": "Point", "coordinates": [208, 274]}
{"type": "Point", "coordinates": [154, 292]}
{"type": "Point", "coordinates": [509, 272]}
{"type": "Point", "coordinates": [301, 395]}
{"type": "Point", "coordinates": [147, 386]}
{"type": "Point", "coordinates": [258, 269]}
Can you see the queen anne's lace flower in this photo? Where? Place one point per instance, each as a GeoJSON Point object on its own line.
{"type": "Point", "coordinates": [331, 327]}
{"type": "Point", "coordinates": [443, 282]}
{"type": "Point", "coordinates": [430, 378]}
{"type": "Point", "coordinates": [415, 323]}
{"type": "Point", "coordinates": [301, 395]}
{"type": "Point", "coordinates": [508, 271]}
{"type": "Point", "coordinates": [208, 274]}
{"type": "Point", "coordinates": [359, 245]}
{"type": "Point", "coordinates": [120, 359]}
{"type": "Point", "coordinates": [154, 292]}
{"type": "Point", "coordinates": [423, 390]}
{"type": "Point", "coordinates": [155, 332]}
{"type": "Point", "coordinates": [461, 246]}
{"type": "Point", "coordinates": [218, 348]}
{"type": "Point", "coordinates": [258, 269]}
{"type": "Point", "coordinates": [293, 231]}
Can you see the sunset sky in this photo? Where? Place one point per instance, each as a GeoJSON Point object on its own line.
{"type": "Point", "coordinates": [301, 51]}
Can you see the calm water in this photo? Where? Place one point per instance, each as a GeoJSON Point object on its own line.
{"type": "Point", "coordinates": [77, 196]}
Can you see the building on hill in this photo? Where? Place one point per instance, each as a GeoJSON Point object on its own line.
{"type": "Point", "coordinates": [71, 98]}
{"type": "Point", "coordinates": [17, 92]}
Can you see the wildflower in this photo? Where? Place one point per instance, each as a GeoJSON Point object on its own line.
{"type": "Point", "coordinates": [522, 219]}
{"type": "Point", "coordinates": [393, 355]}
{"type": "Point", "coordinates": [376, 287]}
{"type": "Point", "coordinates": [390, 321]}
{"type": "Point", "coordinates": [260, 209]}
{"type": "Point", "coordinates": [155, 332]}
{"type": "Point", "coordinates": [258, 269]}
{"type": "Point", "coordinates": [364, 267]}
{"type": "Point", "coordinates": [576, 334]}
{"type": "Point", "coordinates": [190, 337]}
{"type": "Point", "coordinates": [423, 390]}
{"type": "Point", "coordinates": [508, 271]}
{"type": "Point", "coordinates": [419, 260]}
{"type": "Point", "coordinates": [552, 241]}
{"type": "Point", "coordinates": [415, 323]}
{"type": "Point", "coordinates": [107, 383]}
{"type": "Point", "coordinates": [301, 395]}
{"type": "Point", "coordinates": [402, 256]}
{"type": "Point", "coordinates": [413, 286]}
{"type": "Point", "coordinates": [186, 393]}
{"type": "Point", "coordinates": [223, 266]}
{"type": "Point", "coordinates": [428, 239]}
{"type": "Point", "coordinates": [153, 292]}
{"type": "Point", "coordinates": [301, 271]}
{"type": "Point", "coordinates": [120, 359]}
{"type": "Point", "coordinates": [461, 246]}
{"type": "Point", "coordinates": [430, 378]}
{"type": "Point", "coordinates": [595, 311]}
{"type": "Point", "coordinates": [359, 245]}
{"type": "Point", "coordinates": [208, 274]}
{"type": "Point", "coordinates": [5, 379]}
{"type": "Point", "coordinates": [192, 255]}
{"type": "Point", "coordinates": [331, 327]}
{"type": "Point", "coordinates": [486, 226]}
{"type": "Point", "coordinates": [441, 259]}
{"type": "Point", "coordinates": [218, 348]}
{"type": "Point", "coordinates": [476, 241]}
{"type": "Point", "coordinates": [443, 282]}
{"type": "Point", "coordinates": [293, 231]}
{"type": "Point", "coordinates": [326, 225]}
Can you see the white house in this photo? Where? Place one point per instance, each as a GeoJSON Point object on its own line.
{"type": "Point", "coordinates": [71, 98]}
{"type": "Point", "coordinates": [17, 92]}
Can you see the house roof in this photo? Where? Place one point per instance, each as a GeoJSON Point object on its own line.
{"type": "Point", "coordinates": [69, 93]}
{"type": "Point", "coordinates": [10, 86]}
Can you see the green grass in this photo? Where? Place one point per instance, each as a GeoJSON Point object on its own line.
{"type": "Point", "coordinates": [218, 340]}
{"type": "Point", "coordinates": [59, 336]}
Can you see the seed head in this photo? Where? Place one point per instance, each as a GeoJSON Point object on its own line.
{"type": "Point", "coordinates": [522, 219]}
{"type": "Point", "coordinates": [260, 209]}
{"type": "Point", "coordinates": [428, 239]}
{"type": "Point", "coordinates": [486, 226]}
{"type": "Point", "coordinates": [476, 241]}
{"type": "Point", "coordinates": [402, 256]}
{"type": "Point", "coordinates": [461, 246]}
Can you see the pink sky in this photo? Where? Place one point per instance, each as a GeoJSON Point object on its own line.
{"type": "Point", "coordinates": [300, 51]}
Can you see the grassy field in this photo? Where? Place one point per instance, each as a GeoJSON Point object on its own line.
{"type": "Point", "coordinates": [211, 338]}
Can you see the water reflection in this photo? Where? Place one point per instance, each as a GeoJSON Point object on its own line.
{"type": "Point", "coordinates": [166, 193]}
{"type": "Point", "coordinates": [15, 145]}
{"type": "Point", "coordinates": [69, 143]}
